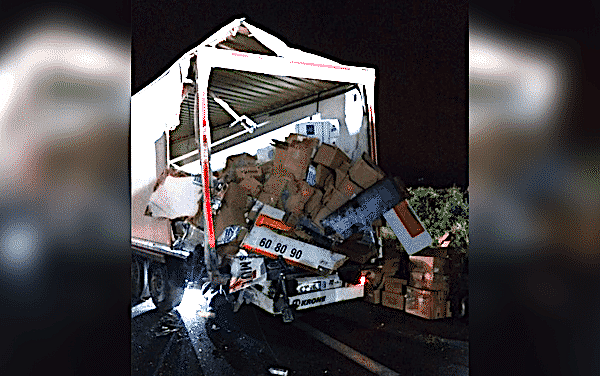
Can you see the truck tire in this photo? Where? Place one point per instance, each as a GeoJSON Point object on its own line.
{"type": "Point", "coordinates": [166, 292]}
{"type": "Point", "coordinates": [137, 279]}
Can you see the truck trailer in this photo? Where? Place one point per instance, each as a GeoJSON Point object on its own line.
{"type": "Point", "coordinates": [228, 148]}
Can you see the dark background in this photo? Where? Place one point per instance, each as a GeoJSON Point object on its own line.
{"type": "Point", "coordinates": [418, 50]}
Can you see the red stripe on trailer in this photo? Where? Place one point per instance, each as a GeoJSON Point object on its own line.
{"type": "Point", "coordinates": [205, 174]}
{"type": "Point", "coordinates": [412, 225]}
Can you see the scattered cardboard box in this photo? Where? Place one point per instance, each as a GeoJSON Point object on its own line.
{"type": "Point", "coordinates": [347, 187]}
{"type": "Point", "coordinates": [252, 186]}
{"type": "Point", "coordinates": [336, 199]}
{"type": "Point", "coordinates": [372, 296]}
{"type": "Point", "coordinates": [321, 175]}
{"type": "Point", "coordinates": [248, 171]}
{"type": "Point", "coordinates": [270, 199]}
{"type": "Point", "coordinates": [364, 172]}
{"type": "Point", "coordinates": [392, 300]}
{"type": "Point", "coordinates": [233, 209]}
{"type": "Point", "coordinates": [276, 184]}
{"type": "Point", "coordinates": [428, 281]}
{"type": "Point", "coordinates": [323, 213]}
{"type": "Point", "coordinates": [395, 285]}
{"type": "Point", "coordinates": [314, 203]}
{"type": "Point", "coordinates": [424, 303]}
{"type": "Point", "coordinates": [428, 264]}
{"type": "Point", "coordinates": [331, 156]}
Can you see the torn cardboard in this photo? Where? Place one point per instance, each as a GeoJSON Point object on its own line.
{"type": "Point", "coordinates": [175, 197]}
{"type": "Point", "coordinates": [364, 172]}
{"type": "Point", "coordinates": [330, 156]}
{"type": "Point", "coordinates": [392, 300]}
{"type": "Point", "coordinates": [424, 303]}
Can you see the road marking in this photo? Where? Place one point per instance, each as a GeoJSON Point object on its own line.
{"type": "Point", "coordinates": [346, 350]}
{"type": "Point", "coordinates": [195, 324]}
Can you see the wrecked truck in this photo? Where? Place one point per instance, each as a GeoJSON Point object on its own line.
{"type": "Point", "coordinates": [254, 172]}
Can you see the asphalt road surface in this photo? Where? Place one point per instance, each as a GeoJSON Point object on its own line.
{"type": "Point", "coordinates": [347, 338]}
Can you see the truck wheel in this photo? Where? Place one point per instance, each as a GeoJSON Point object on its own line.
{"type": "Point", "coordinates": [137, 279]}
{"type": "Point", "coordinates": [166, 293]}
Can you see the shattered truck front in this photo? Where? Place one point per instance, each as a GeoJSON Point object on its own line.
{"type": "Point", "coordinates": [259, 175]}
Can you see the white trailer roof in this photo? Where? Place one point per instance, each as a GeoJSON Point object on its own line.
{"type": "Point", "coordinates": [255, 73]}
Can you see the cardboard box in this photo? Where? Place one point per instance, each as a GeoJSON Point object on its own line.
{"type": "Point", "coordinates": [305, 190]}
{"type": "Point", "coordinates": [344, 167]}
{"type": "Point", "coordinates": [392, 300]}
{"type": "Point", "coordinates": [330, 156]}
{"type": "Point", "coordinates": [248, 171]}
{"type": "Point", "coordinates": [347, 187]}
{"type": "Point", "coordinates": [428, 264]}
{"type": "Point", "coordinates": [323, 213]}
{"type": "Point", "coordinates": [321, 175]}
{"type": "Point", "coordinates": [297, 160]}
{"type": "Point", "coordinates": [233, 209]}
{"type": "Point", "coordinates": [364, 172]}
{"type": "Point", "coordinates": [270, 199]}
{"type": "Point", "coordinates": [425, 303]}
{"type": "Point", "coordinates": [336, 199]}
{"type": "Point", "coordinates": [252, 186]}
{"type": "Point", "coordinates": [395, 285]}
{"type": "Point", "coordinates": [372, 296]}
{"type": "Point", "coordinates": [407, 227]}
{"type": "Point", "coordinates": [276, 184]}
{"type": "Point", "coordinates": [294, 204]}
{"type": "Point", "coordinates": [311, 142]}
{"type": "Point", "coordinates": [314, 203]}
{"type": "Point", "coordinates": [429, 281]}
{"type": "Point", "coordinates": [239, 160]}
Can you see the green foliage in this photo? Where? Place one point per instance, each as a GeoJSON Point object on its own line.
{"type": "Point", "coordinates": [443, 210]}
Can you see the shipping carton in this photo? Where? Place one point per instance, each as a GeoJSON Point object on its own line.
{"type": "Point", "coordinates": [314, 203]}
{"type": "Point", "coordinates": [347, 187]}
{"type": "Point", "coordinates": [276, 184]}
{"type": "Point", "coordinates": [252, 186]}
{"type": "Point", "coordinates": [233, 209]}
{"type": "Point", "coordinates": [392, 300]}
{"type": "Point", "coordinates": [297, 159]}
{"type": "Point", "coordinates": [323, 213]}
{"type": "Point", "coordinates": [248, 171]}
{"type": "Point", "coordinates": [395, 285]}
{"type": "Point", "coordinates": [305, 190]}
{"type": "Point", "coordinates": [428, 281]}
{"type": "Point", "coordinates": [331, 156]}
{"type": "Point", "coordinates": [364, 172]}
{"type": "Point", "coordinates": [407, 227]}
{"type": "Point", "coordinates": [294, 204]}
{"type": "Point", "coordinates": [425, 303]}
{"type": "Point", "coordinates": [428, 264]}
{"type": "Point", "coordinates": [321, 175]}
{"type": "Point", "coordinates": [336, 199]}
{"type": "Point", "coordinates": [270, 199]}
{"type": "Point", "coordinates": [372, 296]}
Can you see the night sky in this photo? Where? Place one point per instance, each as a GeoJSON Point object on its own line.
{"type": "Point", "coordinates": [417, 47]}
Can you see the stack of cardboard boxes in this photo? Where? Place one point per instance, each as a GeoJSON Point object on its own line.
{"type": "Point", "coordinates": [427, 290]}
{"type": "Point", "coordinates": [305, 179]}
{"type": "Point", "coordinates": [424, 294]}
